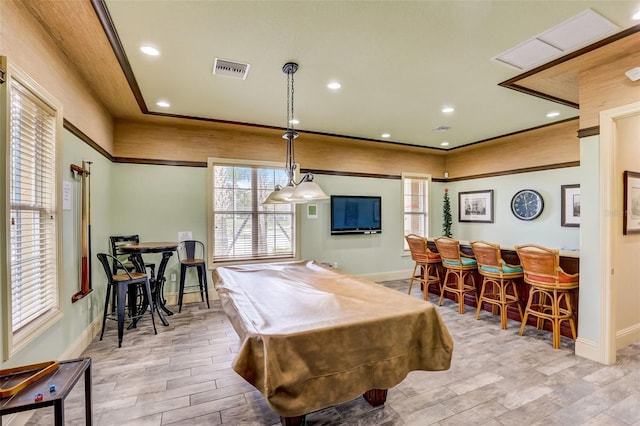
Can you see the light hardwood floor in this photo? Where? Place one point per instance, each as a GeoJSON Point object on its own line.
{"type": "Point", "coordinates": [183, 376]}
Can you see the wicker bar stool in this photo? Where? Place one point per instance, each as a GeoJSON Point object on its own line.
{"type": "Point", "coordinates": [552, 290]}
{"type": "Point", "coordinates": [498, 280]}
{"type": "Point", "coordinates": [425, 270]}
{"type": "Point", "coordinates": [460, 267]}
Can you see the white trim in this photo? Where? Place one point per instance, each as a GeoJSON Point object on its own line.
{"type": "Point", "coordinates": [15, 341]}
{"type": "Point", "coordinates": [387, 276]}
{"type": "Point", "coordinates": [587, 349]}
{"type": "Point", "coordinates": [76, 349]}
{"type": "Point", "coordinates": [627, 336]}
{"type": "Point", "coordinates": [608, 141]}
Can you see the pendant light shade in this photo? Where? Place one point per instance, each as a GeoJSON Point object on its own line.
{"type": "Point", "coordinates": [306, 190]}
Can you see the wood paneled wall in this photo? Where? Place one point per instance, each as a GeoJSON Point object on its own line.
{"type": "Point", "coordinates": [27, 45]}
{"type": "Point", "coordinates": [607, 87]}
{"type": "Point", "coordinates": [546, 146]}
{"type": "Point", "coordinates": [189, 141]}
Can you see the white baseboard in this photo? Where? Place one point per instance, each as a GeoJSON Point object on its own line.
{"type": "Point", "coordinates": [387, 276]}
{"type": "Point", "coordinates": [588, 349]}
{"type": "Point", "coordinates": [172, 298]}
{"type": "Point", "coordinates": [627, 336]}
{"type": "Point", "coordinates": [81, 343]}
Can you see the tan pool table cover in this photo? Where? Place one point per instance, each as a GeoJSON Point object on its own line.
{"type": "Point", "coordinates": [313, 337]}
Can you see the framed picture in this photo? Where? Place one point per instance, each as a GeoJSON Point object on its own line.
{"type": "Point", "coordinates": [631, 220]}
{"type": "Point", "coordinates": [570, 215]}
{"type": "Point", "coordinates": [475, 206]}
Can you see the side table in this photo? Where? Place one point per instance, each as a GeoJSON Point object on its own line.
{"type": "Point", "coordinates": [64, 379]}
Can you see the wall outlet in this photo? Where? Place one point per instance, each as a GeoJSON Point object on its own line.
{"type": "Point", "coordinates": [173, 277]}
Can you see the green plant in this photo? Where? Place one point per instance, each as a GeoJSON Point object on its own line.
{"type": "Point", "coordinates": [446, 214]}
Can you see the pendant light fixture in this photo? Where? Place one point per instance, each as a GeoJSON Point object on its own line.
{"type": "Point", "coordinates": [306, 190]}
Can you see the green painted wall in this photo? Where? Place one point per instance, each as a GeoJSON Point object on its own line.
{"type": "Point", "coordinates": [357, 254]}
{"type": "Point", "coordinates": [506, 228]}
{"type": "Point", "coordinates": [157, 202]}
{"type": "Point", "coordinates": [590, 244]}
{"type": "Point", "coordinates": [77, 317]}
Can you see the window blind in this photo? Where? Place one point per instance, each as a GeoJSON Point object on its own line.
{"type": "Point", "coordinates": [243, 227]}
{"type": "Point", "coordinates": [416, 205]}
{"type": "Point", "coordinates": [32, 204]}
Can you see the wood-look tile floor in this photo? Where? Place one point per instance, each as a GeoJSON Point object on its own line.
{"type": "Point", "coordinates": [183, 376]}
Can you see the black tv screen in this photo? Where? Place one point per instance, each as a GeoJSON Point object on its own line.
{"type": "Point", "coordinates": [355, 214]}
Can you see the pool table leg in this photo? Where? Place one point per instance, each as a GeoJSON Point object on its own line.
{"type": "Point", "coordinates": [292, 421]}
{"type": "Point", "coordinates": [375, 397]}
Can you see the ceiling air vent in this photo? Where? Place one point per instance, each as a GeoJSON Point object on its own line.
{"type": "Point", "coordinates": [230, 68]}
{"type": "Point", "coordinates": [441, 128]}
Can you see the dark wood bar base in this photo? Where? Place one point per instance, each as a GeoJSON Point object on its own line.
{"type": "Point", "coordinates": [375, 397]}
{"type": "Point", "coordinates": [570, 265]}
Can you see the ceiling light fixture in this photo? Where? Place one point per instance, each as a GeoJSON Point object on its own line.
{"type": "Point", "coordinates": [163, 104]}
{"type": "Point", "coordinates": [334, 85]}
{"type": "Point", "coordinates": [385, 135]}
{"type": "Point", "coordinates": [151, 51]}
{"type": "Point", "coordinates": [636, 16]}
{"type": "Point", "coordinates": [447, 109]}
{"type": "Point", "coordinates": [444, 143]}
{"type": "Point", "coordinates": [553, 114]}
{"type": "Point", "coordinates": [306, 190]}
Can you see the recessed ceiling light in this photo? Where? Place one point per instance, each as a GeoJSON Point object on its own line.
{"type": "Point", "coordinates": [636, 17]}
{"type": "Point", "coordinates": [151, 51]}
{"type": "Point", "coordinates": [553, 114]}
{"type": "Point", "coordinates": [294, 121]}
{"type": "Point", "coordinates": [445, 143]}
{"type": "Point", "coordinates": [163, 104]}
{"type": "Point", "coordinates": [385, 135]}
{"type": "Point", "coordinates": [334, 85]}
{"type": "Point", "coordinates": [447, 109]}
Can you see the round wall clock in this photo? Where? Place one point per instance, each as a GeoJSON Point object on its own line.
{"type": "Point", "coordinates": [527, 204]}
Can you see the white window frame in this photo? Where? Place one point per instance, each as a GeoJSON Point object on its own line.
{"type": "Point", "coordinates": [427, 179]}
{"type": "Point", "coordinates": [212, 263]}
{"type": "Point", "coordinates": [15, 340]}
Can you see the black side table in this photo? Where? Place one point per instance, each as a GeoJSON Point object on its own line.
{"type": "Point", "coordinates": [64, 379]}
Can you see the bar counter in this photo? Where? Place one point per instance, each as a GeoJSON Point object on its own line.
{"type": "Point", "coordinates": [569, 262]}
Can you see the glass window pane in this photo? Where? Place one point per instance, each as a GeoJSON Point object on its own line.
{"type": "Point", "coordinates": [244, 228]}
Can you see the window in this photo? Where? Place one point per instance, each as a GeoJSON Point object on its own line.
{"type": "Point", "coordinates": [415, 190]}
{"type": "Point", "coordinates": [242, 228]}
{"type": "Point", "coordinates": [34, 124]}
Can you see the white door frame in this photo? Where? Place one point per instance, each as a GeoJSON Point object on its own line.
{"type": "Point", "coordinates": [608, 182]}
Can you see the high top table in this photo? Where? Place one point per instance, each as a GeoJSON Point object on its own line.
{"type": "Point", "coordinates": [157, 282]}
{"type": "Point", "coordinates": [313, 336]}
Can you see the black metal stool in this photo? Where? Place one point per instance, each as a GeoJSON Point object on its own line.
{"type": "Point", "coordinates": [191, 255]}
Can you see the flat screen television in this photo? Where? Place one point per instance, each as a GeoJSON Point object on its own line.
{"type": "Point", "coordinates": [355, 214]}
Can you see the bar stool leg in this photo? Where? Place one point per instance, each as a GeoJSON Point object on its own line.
{"type": "Point", "coordinates": [183, 271]}
{"type": "Point", "coordinates": [202, 276]}
{"type": "Point", "coordinates": [106, 307]}
{"type": "Point", "coordinates": [122, 293]}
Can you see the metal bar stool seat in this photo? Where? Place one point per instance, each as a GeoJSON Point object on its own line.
{"type": "Point", "coordinates": [133, 283]}
{"type": "Point", "coordinates": [191, 255]}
